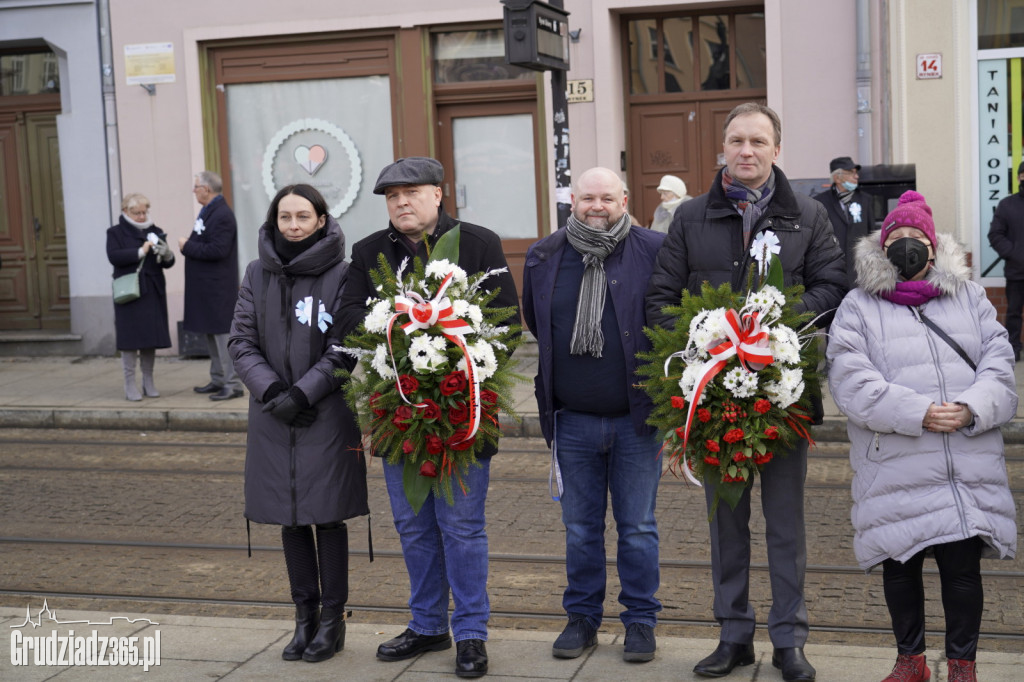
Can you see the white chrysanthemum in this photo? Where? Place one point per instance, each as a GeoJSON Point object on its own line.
{"type": "Point", "coordinates": [381, 362]}
{"type": "Point", "coordinates": [706, 327]}
{"type": "Point", "coordinates": [785, 345]}
{"type": "Point", "coordinates": [689, 379]}
{"type": "Point", "coordinates": [788, 389]}
{"type": "Point", "coordinates": [740, 382]}
{"type": "Point", "coordinates": [484, 362]}
{"type": "Point", "coordinates": [427, 353]}
{"type": "Point", "coordinates": [439, 269]}
{"type": "Point", "coordinates": [377, 320]}
{"type": "Point", "coordinates": [768, 300]}
{"type": "Point", "coordinates": [476, 316]}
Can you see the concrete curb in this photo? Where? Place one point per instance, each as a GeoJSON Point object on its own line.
{"type": "Point", "coordinates": [833, 430]}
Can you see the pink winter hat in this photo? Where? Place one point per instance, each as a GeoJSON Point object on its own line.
{"type": "Point", "coordinates": [911, 211]}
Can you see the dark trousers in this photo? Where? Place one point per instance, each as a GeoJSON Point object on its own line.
{"type": "Point", "coordinates": [962, 598]}
{"type": "Point", "coordinates": [1014, 305]}
{"type": "Point", "coordinates": [782, 503]}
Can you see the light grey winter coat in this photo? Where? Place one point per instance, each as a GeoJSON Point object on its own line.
{"type": "Point", "coordinates": [914, 488]}
{"type": "Point", "coordinates": [297, 475]}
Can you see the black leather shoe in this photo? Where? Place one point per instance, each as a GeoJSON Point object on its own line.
{"type": "Point", "coordinates": [727, 656]}
{"type": "Point", "coordinates": [227, 394]}
{"type": "Point", "coordinates": [409, 644]}
{"type": "Point", "coordinates": [208, 388]}
{"type": "Point", "coordinates": [793, 664]}
{"type": "Point", "coordinates": [470, 658]}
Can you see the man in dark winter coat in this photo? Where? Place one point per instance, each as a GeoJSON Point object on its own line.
{"type": "Point", "coordinates": [1006, 235]}
{"type": "Point", "coordinates": [583, 298]}
{"type": "Point", "coordinates": [211, 282]}
{"type": "Point", "coordinates": [849, 209]}
{"type": "Point", "coordinates": [458, 564]}
{"type": "Point", "coordinates": [709, 241]}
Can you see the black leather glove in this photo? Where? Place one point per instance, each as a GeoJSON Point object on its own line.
{"type": "Point", "coordinates": [275, 389]}
{"type": "Point", "coordinates": [287, 406]}
{"type": "Point", "coordinates": [305, 418]}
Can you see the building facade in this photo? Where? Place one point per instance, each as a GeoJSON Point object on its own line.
{"type": "Point", "coordinates": [330, 93]}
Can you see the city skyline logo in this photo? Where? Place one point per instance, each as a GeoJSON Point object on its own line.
{"type": "Point", "coordinates": [85, 649]}
{"type": "Point", "coordinates": [51, 617]}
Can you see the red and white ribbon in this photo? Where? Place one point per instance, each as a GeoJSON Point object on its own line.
{"type": "Point", "coordinates": [423, 315]}
{"type": "Point", "coordinates": [747, 339]}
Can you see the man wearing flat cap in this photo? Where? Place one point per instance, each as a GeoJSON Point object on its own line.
{"type": "Point", "coordinates": [1006, 235]}
{"type": "Point", "coordinates": [457, 566]}
{"type": "Point", "coordinates": [849, 209]}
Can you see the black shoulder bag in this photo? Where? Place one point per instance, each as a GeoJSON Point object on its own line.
{"type": "Point", "coordinates": [946, 337]}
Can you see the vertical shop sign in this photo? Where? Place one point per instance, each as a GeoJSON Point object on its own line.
{"type": "Point", "coordinates": [995, 122]}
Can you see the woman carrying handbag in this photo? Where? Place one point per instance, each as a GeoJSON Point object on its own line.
{"type": "Point", "coordinates": [136, 247]}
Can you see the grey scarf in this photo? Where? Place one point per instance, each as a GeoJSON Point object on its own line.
{"type": "Point", "coordinates": [594, 245]}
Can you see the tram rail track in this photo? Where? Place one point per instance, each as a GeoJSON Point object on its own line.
{"type": "Point", "coordinates": [492, 556]}
{"type": "Point", "coordinates": [124, 520]}
{"type": "Point", "coordinates": [402, 610]}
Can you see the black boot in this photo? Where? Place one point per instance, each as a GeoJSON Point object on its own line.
{"type": "Point", "coordinates": [332, 552]}
{"type": "Point", "coordinates": [307, 620]}
{"type": "Point", "coordinates": [330, 637]}
{"type": "Point", "coordinates": [300, 559]}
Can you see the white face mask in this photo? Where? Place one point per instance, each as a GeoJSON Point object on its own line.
{"type": "Point", "coordinates": [849, 186]}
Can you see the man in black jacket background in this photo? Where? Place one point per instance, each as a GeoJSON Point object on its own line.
{"type": "Point", "coordinates": [849, 209]}
{"type": "Point", "coordinates": [1006, 235]}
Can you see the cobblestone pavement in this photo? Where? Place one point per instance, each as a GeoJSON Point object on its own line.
{"type": "Point", "coordinates": [63, 494]}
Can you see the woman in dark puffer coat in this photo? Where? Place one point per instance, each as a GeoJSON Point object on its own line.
{"type": "Point", "coordinates": [304, 463]}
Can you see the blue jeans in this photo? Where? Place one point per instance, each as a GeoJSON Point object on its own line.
{"type": "Point", "coordinates": [445, 551]}
{"type": "Point", "coordinates": [598, 455]}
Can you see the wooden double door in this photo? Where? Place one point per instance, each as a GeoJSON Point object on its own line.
{"type": "Point", "coordinates": [34, 286]}
{"type": "Point", "coordinates": [681, 138]}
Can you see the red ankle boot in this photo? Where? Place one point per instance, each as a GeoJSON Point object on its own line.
{"type": "Point", "coordinates": [909, 669]}
{"type": "Point", "coordinates": [961, 670]}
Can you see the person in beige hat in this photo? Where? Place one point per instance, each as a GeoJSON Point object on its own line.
{"type": "Point", "coordinates": [672, 191]}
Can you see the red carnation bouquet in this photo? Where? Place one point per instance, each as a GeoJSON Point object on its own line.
{"type": "Point", "coordinates": [434, 369]}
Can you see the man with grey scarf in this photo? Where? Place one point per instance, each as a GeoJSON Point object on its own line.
{"type": "Point", "coordinates": [709, 241]}
{"type": "Point", "coordinates": [583, 299]}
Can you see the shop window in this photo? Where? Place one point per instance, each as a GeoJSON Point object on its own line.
{"type": "Point", "coordinates": [678, 54]}
{"type": "Point", "coordinates": [29, 74]}
{"type": "Point", "coordinates": [697, 53]}
{"type": "Point", "coordinates": [1000, 24]}
{"type": "Point", "coordinates": [714, 52]}
{"type": "Point", "coordinates": [478, 55]}
{"type": "Point", "coordinates": [643, 57]}
{"type": "Point", "coordinates": [750, 51]}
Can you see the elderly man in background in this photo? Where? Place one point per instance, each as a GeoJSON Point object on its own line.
{"type": "Point", "coordinates": [211, 282]}
{"type": "Point", "coordinates": [849, 209]}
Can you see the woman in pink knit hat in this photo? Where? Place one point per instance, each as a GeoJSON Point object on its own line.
{"type": "Point", "coordinates": [924, 373]}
